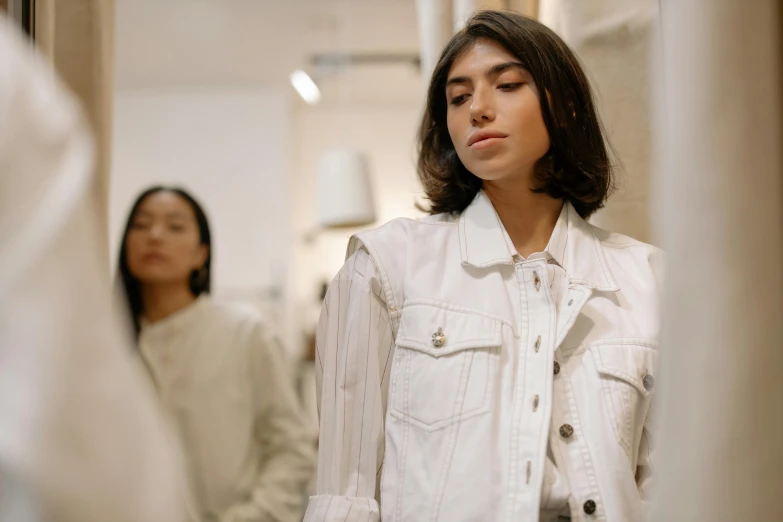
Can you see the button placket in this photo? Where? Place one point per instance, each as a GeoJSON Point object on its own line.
{"type": "Point", "coordinates": [538, 312]}
{"type": "Point", "coordinates": [537, 282]}
{"type": "Point", "coordinates": [570, 447]}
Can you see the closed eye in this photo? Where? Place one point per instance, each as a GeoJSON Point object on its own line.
{"type": "Point", "coordinates": [459, 100]}
{"type": "Point", "coordinates": [139, 225]}
{"type": "Point", "coordinates": [510, 86]}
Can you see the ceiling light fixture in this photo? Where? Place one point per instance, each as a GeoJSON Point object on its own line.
{"type": "Point", "coordinates": [305, 86]}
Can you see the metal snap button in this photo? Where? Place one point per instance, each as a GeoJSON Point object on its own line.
{"type": "Point", "coordinates": [438, 338]}
{"type": "Point", "coordinates": [566, 430]}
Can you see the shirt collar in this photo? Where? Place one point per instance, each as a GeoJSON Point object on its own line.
{"type": "Point", "coordinates": [176, 320]}
{"type": "Point", "coordinates": [573, 245]}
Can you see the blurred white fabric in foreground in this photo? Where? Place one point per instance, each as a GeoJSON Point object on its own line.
{"type": "Point", "coordinates": [81, 438]}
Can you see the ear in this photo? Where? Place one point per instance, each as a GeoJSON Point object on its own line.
{"type": "Point", "coordinates": [201, 256]}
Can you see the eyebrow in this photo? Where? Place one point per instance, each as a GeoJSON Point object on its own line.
{"type": "Point", "coordinates": [492, 71]}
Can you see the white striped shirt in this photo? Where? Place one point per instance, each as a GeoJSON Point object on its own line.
{"type": "Point", "coordinates": [354, 344]}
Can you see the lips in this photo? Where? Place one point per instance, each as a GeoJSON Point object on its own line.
{"type": "Point", "coordinates": [153, 257]}
{"type": "Point", "coordinates": [481, 135]}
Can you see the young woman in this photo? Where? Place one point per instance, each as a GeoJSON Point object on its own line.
{"type": "Point", "coordinates": [495, 361]}
{"type": "Point", "coordinates": [218, 371]}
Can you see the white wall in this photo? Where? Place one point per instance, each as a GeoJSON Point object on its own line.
{"type": "Point", "coordinates": [616, 41]}
{"type": "Point", "coordinates": [220, 114]}
{"type": "Point", "coordinates": [386, 132]}
{"type": "Point", "coordinates": [231, 149]}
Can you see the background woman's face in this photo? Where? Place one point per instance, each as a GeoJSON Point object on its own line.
{"type": "Point", "coordinates": [494, 113]}
{"type": "Point", "coordinates": [164, 244]}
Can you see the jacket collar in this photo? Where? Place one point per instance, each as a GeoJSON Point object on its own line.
{"type": "Point", "coordinates": [573, 245]}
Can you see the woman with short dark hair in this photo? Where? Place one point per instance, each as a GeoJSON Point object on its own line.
{"type": "Point", "coordinates": [494, 361]}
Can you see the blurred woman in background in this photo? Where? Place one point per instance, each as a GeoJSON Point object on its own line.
{"type": "Point", "coordinates": [218, 371]}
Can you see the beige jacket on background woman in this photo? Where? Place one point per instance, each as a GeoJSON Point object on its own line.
{"type": "Point", "coordinates": [81, 439]}
{"type": "Point", "coordinates": [221, 377]}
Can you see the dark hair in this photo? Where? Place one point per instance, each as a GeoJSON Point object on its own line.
{"type": "Point", "coordinates": [200, 280]}
{"type": "Point", "coordinates": [576, 167]}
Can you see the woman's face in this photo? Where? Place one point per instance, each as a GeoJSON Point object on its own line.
{"type": "Point", "coordinates": [163, 244]}
{"type": "Point", "coordinates": [494, 114]}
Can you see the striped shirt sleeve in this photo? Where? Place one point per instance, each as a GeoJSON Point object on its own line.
{"type": "Point", "coordinates": [354, 345]}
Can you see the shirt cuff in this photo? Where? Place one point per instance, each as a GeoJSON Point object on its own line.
{"type": "Point", "coordinates": [329, 508]}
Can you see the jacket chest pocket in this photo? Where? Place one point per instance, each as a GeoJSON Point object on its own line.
{"type": "Point", "coordinates": [444, 367]}
{"type": "Point", "coordinates": [627, 375]}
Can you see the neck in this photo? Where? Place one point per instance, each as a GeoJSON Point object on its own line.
{"type": "Point", "coordinates": [528, 217]}
{"type": "Point", "coordinates": [162, 300]}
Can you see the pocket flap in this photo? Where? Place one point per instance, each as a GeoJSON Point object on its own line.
{"type": "Point", "coordinates": [462, 330]}
{"type": "Point", "coordinates": [628, 362]}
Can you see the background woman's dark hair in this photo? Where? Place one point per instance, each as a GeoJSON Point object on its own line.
{"type": "Point", "coordinates": [200, 280]}
{"type": "Point", "coordinates": [576, 167]}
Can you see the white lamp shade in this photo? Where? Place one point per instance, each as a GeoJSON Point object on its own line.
{"type": "Point", "coordinates": [344, 189]}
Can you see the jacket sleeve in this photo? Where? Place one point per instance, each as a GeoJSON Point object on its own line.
{"type": "Point", "coordinates": [281, 430]}
{"type": "Point", "coordinates": [354, 346]}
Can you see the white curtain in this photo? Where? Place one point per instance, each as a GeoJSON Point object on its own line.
{"type": "Point", "coordinates": [720, 208]}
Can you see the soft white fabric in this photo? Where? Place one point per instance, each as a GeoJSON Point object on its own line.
{"type": "Point", "coordinates": [720, 211]}
{"type": "Point", "coordinates": [220, 374]}
{"type": "Point", "coordinates": [413, 431]}
{"type": "Point", "coordinates": [81, 438]}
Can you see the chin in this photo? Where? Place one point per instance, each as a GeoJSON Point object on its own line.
{"type": "Point", "coordinates": [500, 172]}
{"type": "Point", "coordinates": [489, 174]}
{"type": "Point", "coordinates": [152, 276]}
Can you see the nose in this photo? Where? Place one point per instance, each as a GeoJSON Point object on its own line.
{"type": "Point", "coordinates": [481, 107]}
{"type": "Point", "coordinates": [156, 232]}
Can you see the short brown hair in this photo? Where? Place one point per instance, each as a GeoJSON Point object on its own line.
{"type": "Point", "coordinates": [576, 167]}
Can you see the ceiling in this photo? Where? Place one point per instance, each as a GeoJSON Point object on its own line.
{"type": "Point", "coordinates": [197, 44]}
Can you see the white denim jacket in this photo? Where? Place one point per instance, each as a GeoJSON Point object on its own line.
{"type": "Point", "coordinates": [486, 371]}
